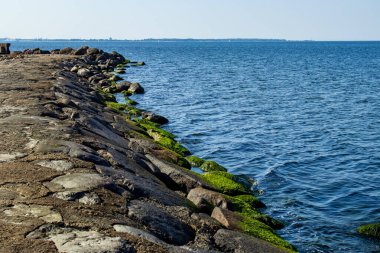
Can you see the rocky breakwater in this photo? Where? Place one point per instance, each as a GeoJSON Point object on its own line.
{"type": "Point", "coordinates": [80, 172]}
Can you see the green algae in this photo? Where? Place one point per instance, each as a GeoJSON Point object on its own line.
{"type": "Point", "coordinates": [372, 230]}
{"type": "Point", "coordinates": [130, 110]}
{"type": "Point", "coordinates": [168, 143]}
{"type": "Point", "coordinates": [130, 101]}
{"type": "Point", "coordinates": [258, 229]}
{"type": "Point", "coordinates": [251, 200]}
{"type": "Point", "coordinates": [195, 161]}
{"type": "Point", "coordinates": [106, 96]}
{"type": "Point", "coordinates": [224, 182]}
{"type": "Point", "coordinates": [116, 106]}
{"type": "Point", "coordinates": [149, 125]}
{"type": "Point", "coordinates": [246, 209]}
{"type": "Point", "coordinates": [212, 166]}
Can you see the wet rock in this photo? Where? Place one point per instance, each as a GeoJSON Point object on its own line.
{"type": "Point", "coordinates": [155, 118]}
{"type": "Point", "coordinates": [372, 230]}
{"type": "Point", "coordinates": [122, 86]}
{"type": "Point", "coordinates": [139, 233]}
{"type": "Point", "coordinates": [136, 88]}
{"type": "Point", "coordinates": [205, 199]}
{"type": "Point", "coordinates": [212, 166]}
{"type": "Point", "coordinates": [58, 165]}
{"type": "Point", "coordinates": [233, 241]}
{"type": "Point", "coordinates": [162, 224]}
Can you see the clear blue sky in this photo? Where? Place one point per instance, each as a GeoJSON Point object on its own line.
{"type": "Point", "coordinates": [136, 19]}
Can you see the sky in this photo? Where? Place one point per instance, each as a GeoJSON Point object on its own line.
{"type": "Point", "coordinates": [206, 19]}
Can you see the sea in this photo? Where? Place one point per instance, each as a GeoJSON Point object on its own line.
{"type": "Point", "coordinates": [301, 118]}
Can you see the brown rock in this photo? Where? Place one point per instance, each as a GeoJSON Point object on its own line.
{"type": "Point", "coordinates": [227, 218]}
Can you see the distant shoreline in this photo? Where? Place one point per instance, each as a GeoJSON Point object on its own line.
{"type": "Point", "coordinates": [169, 40]}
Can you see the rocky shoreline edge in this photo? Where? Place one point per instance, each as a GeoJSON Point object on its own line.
{"type": "Point", "coordinates": [81, 172]}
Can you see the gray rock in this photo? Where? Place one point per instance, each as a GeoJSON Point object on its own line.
{"type": "Point", "coordinates": [121, 86]}
{"type": "Point", "coordinates": [11, 156]}
{"type": "Point", "coordinates": [226, 217]}
{"type": "Point", "coordinates": [139, 233]}
{"type": "Point", "coordinates": [58, 165]}
{"type": "Point", "coordinates": [83, 72]}
{"type": "Point", "coordinates": [163, 225]}
{"type": "Point", "coordinates": [90, 199]}
{"type": "Point", "coordinates": [21, 213]}
{"type": "Point", "coordinates": [155, 118]}
{"type": "Point", "coordinates": [205, 199]}
{"type": "Point", "coordinates": [136, 88]}
{"type": "Point", "coordinates": [76, 182]}
{"type": "Point", "coordinates": [232, 241]}
{"type": "Point", "coordinates": [182, 177]}
{"type": "Point", "coordinates": [70, 240]}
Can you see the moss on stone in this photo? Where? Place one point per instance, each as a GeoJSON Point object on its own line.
{"type": "Point", "coordinates": [120, 71]}
{"type": "Point", "coordinates": [212, 166]}
{"type": "Point", "coordinates": [251, 200]}
{"type": "Point", "coordinates": [224, 183]}
{"type": "Point", "coordinates": [106, 96]}
{"type": "Point", "coordinates": [168, 142]}
{"type": "Point", "coordinates": [130, 101]}
{"type": "Point", "coordinates": [372, 230]}
{"type": "Point", "coordinates": [260, 230]}
{"type": "Point", "coordinates": [195, 161]}
{"type": "Point", "coordinates": [116, 106]}
{"type": "Point", "coordinates": [243, 205]}
{"type": "Point", "coordinates": [148, 125]}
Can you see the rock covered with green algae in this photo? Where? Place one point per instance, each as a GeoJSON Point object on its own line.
{"type": "Point", "coordinates": [195, 161]}
{"type": "Point", "coordinates": [372, 230]}
{"type": "Point", "coordinates": [225, 182]}
{"type": "Point", "coordinates": [212, 166]}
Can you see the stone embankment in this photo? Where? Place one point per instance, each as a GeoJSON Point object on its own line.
{"type": "Point", "coordinates": [80, 172]}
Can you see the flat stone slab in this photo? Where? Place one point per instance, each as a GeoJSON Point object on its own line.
{"type": "Point", "coordinates": [58, 165]}
{"type": "Point", "coordinates": [20, 213]}
{"type": "Point", "coordinates": [78, 182]}
{"type": "Point", "coordinates": [139, 233]}
{"type": "Point", "coordinates": [71, 240]}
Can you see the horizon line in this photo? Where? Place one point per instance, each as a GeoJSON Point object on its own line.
{"type": "Point", "coordinates": [185, 39]}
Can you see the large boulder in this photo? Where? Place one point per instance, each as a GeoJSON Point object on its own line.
{"type": "Point", "coordinates": [205, 199]}
{"type": "Point", "coordinates": [67, 50]}
{"type": "Point", "coordinates": [162, 224]}
{"type": "Point", "coordinates": [136, 88]}
{"type": "Point", "coordinates": [81, 51]}
{"type": "Point", "coordinates": [154, 118]}
{"type": "Point", "coordinates": [233, 241]}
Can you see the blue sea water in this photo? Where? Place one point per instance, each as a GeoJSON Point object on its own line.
{"type": "Point", "coordinates": [303, 118]}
